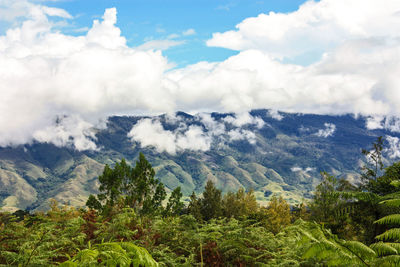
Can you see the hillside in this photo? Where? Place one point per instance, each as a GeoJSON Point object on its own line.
{"type": "Point", "coordinates": [271, 153]}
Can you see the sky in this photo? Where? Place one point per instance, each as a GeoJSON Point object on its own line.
{"type": "Point", "coordinates": [66, 65]}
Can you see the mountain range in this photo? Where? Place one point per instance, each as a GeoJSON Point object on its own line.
{"type": "Point", "coordinates": [268, 151]}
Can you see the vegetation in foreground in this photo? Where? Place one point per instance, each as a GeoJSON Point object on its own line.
{"type": "Point", "coordinates": [132, 223]}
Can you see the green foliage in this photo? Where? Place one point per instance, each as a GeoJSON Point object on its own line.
{"type": "Point", "coordinates": [121, 227]}
{"type": "Point", "coordinates": [194, 207]}
{"type": "Point", "coordinates": [41, 240]}
{"type": "Point", "coordinates": [175, 205]}
{"type": "Point", "coordinates": [333, 251]}
{"type": "Point", "coordinates": [112, 254]}
{"type": "Point", "coordinates": [277, 214]}
{"type": "Point", "coordinates": [137, 188]}
{"type": "Point", "coordinates": [211, 203]}
{"type": "Point", "coordinates": [182, 241]}
{"type": "Point", "coordinates": [239, 204]}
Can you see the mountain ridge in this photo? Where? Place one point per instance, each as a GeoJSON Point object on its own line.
{"type": "Point", "coordinates": [274, 153]}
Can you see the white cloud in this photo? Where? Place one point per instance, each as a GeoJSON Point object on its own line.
{"type": "Point", "coordinates": [70, 132]}
{"type": "Point", "coordinates": [45, 73]}
{"type": "Point", "coordinates": [390, 123]}
{"type": "Point", "coordinates": [189, 32]}
{"type": "Point", "coordinates": [244, 118]}
{"type": "Point", "coordinates": [301, 170]}
{"type": "Point", "coordinates": [13, 9]}
{"type": "Point", "coordinates": [274, 114]}
{"type": "Point", "coordinates": [240, 134]}
{"type": "Point", "coordinates": [329, 130]}
{"type": "Point", "coordinates": [315, 26]}
{"type": "Point", "coordinates": [374, 122]}
{"type": "Point", "coordinates": [160, 44]}
{"type": "Point", "coordinates": [394, 147]}
{"type": "Point", "coordinates": [150, 132]}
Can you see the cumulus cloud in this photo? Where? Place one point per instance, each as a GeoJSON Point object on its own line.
{"type": "Point", "coordinates": [46, 74]}
{"type": "Point", "coordinates": [315, 26]}
{"type": "Point", "coordinates": [329, 130]}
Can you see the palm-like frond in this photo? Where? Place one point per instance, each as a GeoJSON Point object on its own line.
{"type": "Point", "coordinates": [391, 202]}
{"type": "Point", "coordinates": [391, 234]}
{"type": "Point", "coordinates": [389, 219]}
{"type": "Point", "coordinates": [383, 249]}
{"type": "Point", "coordinates": [112, 254]}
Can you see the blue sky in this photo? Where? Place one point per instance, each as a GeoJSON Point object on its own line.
{"type": "Point", "coordinates": [143, 20]}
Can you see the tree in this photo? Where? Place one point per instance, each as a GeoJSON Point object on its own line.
{"type": "Point", "coordinates": [278, 214]}
{"type": "Point", "coordinates": [326, 199]}
{"type": "Point", "coordinates": [239, 204]}
{"type": "Point", "coordinates": [211, 203]}
{"type": "Point", "coordinates": [194, 207]}
{"type": "Point", "coordinates": [374, 165]}
{"type": "Point", "coordinates": [175, 205]}
{"type": "Point", "coordinates": [136, 187]}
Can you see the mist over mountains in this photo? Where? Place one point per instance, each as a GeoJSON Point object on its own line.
{"type": "Point", "coordinates": [269, 151]}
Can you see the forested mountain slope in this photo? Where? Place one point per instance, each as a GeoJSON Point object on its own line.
{"type": "Point", "coordinates": [264, 150]}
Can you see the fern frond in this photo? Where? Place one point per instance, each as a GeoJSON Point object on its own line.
{"type": "Point", "coordinates": [361, 196]}
{"type": "Point", "coordinates": [395, 183]}
{"type": "Point", "coordinates": [391, 260]}
{"type": "Point", "coordinates": [382, 249]}
{"type": "Point", "coordinates": [391, 234]}
{"type": "Point", "coordinates": [360, 249]}
{"type": "Point", "coordinates": [391, 202]}
{"type": "Point", "coordinates": [389, 219]}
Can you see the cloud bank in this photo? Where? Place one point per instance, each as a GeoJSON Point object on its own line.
{"type": "Point", "coordinates": [199, 136]}
{"type": "Point", "coordinates": [46, 74]}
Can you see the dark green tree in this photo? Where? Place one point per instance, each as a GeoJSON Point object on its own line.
{"type": "Point", "coordinates": [134, 187]}
{"type": "Point", "coordinates": [175, 205]}
{"type": "Point", "coordinates": [194, 207]}
{"type": "Point", "coordinates": [211, 203]}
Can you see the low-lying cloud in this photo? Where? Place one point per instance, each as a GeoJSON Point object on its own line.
{"type": "Point", "coordinates": [329, 130]}
{"type": "Point", "coordinates": [394, 147]}
{"type": "Point", "coordinates": [46, 74]}
{"type": "Point", "coordinates": [196, 137]}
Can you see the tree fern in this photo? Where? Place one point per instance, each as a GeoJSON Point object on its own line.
{"type": "Point", "coordinates": [334, 251]}
{"type": "Point", "coordinates": [112, 254]}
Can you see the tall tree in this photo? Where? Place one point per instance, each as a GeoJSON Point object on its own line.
{"type": "Point", "coordinates": [135, 187]}
{"type": "Point", "coordinates": [175, 205]}
{"type": "Point", "coordinates": [278, 214]}
{"type": "Point", "coordinates": [211, 203]}
{"type": "Point", "coordinates": [194, 207]}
